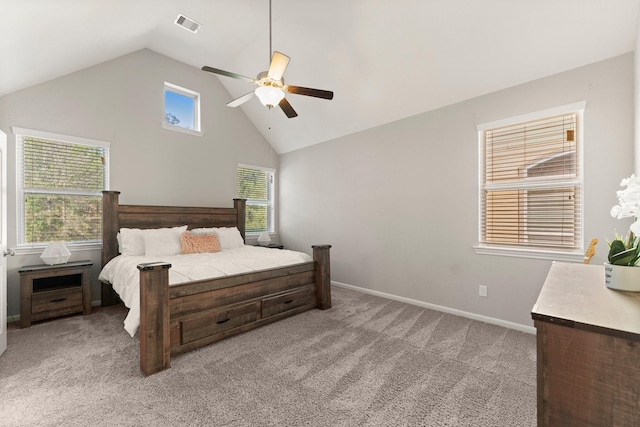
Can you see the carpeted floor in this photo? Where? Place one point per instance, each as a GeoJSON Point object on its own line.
{"type": "Point", "coordinates": [368, 361]}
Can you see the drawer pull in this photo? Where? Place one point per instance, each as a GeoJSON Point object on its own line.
{"type": "Point", "coordinates": [220, 322]}
{"type": "Point", "coordinates": [58, 300]}
{"type": "Point", "coordinates": [288, 301]}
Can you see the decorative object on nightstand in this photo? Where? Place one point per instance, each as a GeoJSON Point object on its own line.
{"type": "Point", "coordinates": [621, 272]}
{"type": "Point", "coordinates": [50, 291]}
{"type": "Point", "coordinates": [55, 253]}
{"type": "Point", "coordinates": [264, 239]}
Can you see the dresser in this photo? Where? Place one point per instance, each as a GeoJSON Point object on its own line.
{"type": "Point", "coordinates": [588, 350]}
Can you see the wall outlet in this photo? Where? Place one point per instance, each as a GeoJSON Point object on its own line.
{"type": "Point", "coordinates": [482, 291]}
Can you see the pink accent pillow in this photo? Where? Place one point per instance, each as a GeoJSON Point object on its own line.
{"type": "Point", "coordinates": [196, 244]}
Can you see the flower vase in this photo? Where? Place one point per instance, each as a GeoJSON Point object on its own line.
{"type": "Point", "coordinates": [622, 277]}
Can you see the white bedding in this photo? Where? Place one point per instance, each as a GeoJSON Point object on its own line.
{"type": "Point", "coordinates": [124, 276]}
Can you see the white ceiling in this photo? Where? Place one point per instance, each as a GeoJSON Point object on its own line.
{"type": "Point", "coordinates": [384, 59]}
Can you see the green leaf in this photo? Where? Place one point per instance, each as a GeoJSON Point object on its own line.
{"type": "Point", "coordinates": [616, 247]}
{"type": "Point", "coordinates": [624, 257]}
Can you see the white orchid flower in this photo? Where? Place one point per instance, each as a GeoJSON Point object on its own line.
{"type": "Point", "coordinates": [631, 180]}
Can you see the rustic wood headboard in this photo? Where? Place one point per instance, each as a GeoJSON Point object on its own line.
{"type": "Point", "coordinates": [116, 216]}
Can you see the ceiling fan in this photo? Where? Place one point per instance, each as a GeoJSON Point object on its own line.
{"type": "Point", "coordinates": [270, 84]}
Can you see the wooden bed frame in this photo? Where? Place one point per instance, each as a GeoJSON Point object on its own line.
{"type": "Point", "coordinates": [187, 316]}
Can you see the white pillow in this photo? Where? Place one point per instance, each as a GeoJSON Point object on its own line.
{"type": "Point", "coordinates": [163, 241]}
{"type": "Point", "coordinates": [229, 238]}
{"type": "Point", "coordinates": [132, 240]}
{"type": "Point", "coordinates": [201, 231]}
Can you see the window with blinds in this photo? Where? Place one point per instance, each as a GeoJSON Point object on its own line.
{"type": "Point", "coordinates": [257, 185]}
{"type": "Point", "coordinates": [531, 185]}
{"type": "Point", "coordinates": [60, 187]}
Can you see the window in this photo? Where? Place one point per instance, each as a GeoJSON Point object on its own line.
{"type": "Point", "coordinates": [531, 185]}
{"type": "Point", "coordinates": [257, 185]}
{"type": "Point", "coordinates": [181, 109]}
{"type": "Point", "coordinates": [59, 187]}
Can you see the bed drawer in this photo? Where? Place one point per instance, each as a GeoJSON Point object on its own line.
{"type": "Point", "coordinates": [217, 321]}
{"type": "Point", "coordinates": [63, 300]}
{"type": "Point", "coordinates": [287, 301]}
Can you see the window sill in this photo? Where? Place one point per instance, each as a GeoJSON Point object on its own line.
{"type": "Point", "coordinates": [38, 249]}
{"type": "Point", "coordinates": [182, 130]}
{"type": "Point", "coordinates": [549, 255]}
{"type": "Point", "coordinates": [252, 238]}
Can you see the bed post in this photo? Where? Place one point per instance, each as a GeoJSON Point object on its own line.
{"type": "Point", "coordinates": [240, 207]}
{"type": "Point", "coordinates": [323, 275]}
{"type": "Point", "coordinates": [155, 341]}
{"type": "Point", "coordinates": [110, 211]}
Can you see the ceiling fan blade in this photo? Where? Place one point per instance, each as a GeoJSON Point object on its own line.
{"type": "Point", "coordinates": [279, 62]}
{"type": "Point", "coordinates": [239, 101]}
{"type": "Point", "coordinates": [227, 73]}
{"type": "Point", "coordinates": [287, 108]}
{"type": "Point", "coordinates": [317, 93]}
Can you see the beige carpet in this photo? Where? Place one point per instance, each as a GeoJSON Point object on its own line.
{"type": "Point", "coordinates": [368, 361]}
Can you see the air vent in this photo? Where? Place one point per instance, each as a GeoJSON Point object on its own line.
{"type": "Point", "coordinates": [187, 23]}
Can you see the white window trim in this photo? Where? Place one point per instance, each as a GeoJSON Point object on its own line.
{"type": "Point", "coordinates": [273, 233]}
{"type": "Point", "coordinates": [19, 133]}
{"type": "Point", "coordinates": [523, 252]}
{"type": "Point", "coordinates": [196, 113]}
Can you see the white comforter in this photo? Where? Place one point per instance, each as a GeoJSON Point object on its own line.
{"type": "Point", "coordinates": [124, 276]}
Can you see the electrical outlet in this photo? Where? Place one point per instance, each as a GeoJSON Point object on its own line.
{"type": "Point", "coordinates": [482, 291]}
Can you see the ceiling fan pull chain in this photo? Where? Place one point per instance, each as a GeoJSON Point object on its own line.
{"type": "Point", "coordinates": [270, 45]}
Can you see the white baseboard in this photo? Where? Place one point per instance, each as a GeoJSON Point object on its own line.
{"type": "Point", "coordinates": [486, 319]}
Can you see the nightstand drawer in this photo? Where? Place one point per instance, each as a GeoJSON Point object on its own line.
{"type": "Point", "coordinates": [287, 301]}
{"type": "Point", "coordinates": [56, 300]}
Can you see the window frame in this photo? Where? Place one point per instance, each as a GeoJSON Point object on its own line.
{"type": "Point", "coordinates": [197, 131]}
{"type": "Point", "coordinates": [20, 133]}
{"type": "Point", "coordinates": [522, 251]}
{"type": "Point", "coordinates": [271, 204]}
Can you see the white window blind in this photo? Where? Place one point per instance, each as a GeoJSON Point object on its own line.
{"type": "Point", "coordinates": [60, 187]}
{"type": "Point", "coordinates": [257, 185]}
{"type": "Point", "coordinates": [531, 188]}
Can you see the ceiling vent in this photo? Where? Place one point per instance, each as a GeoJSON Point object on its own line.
{"type": "Point", "coordinates": [187, 23]}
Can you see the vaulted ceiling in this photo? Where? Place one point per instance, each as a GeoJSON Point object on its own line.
{"type": "Point", "coordinates": [384, 59]}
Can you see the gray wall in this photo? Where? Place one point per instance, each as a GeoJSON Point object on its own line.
{"type": "Point", "coordinates": [121, 101]}
{"type": "Point", "coordinates": [399, 203]}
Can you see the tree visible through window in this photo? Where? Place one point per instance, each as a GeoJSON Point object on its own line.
{"type": "Point", "coordinates": [60, 190]}
{"type": "Point", "coordinates": [181, 108]}
{"type": "Point", "coordinates": [257, 186]}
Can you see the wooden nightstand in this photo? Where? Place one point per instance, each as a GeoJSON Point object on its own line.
{"type": "Point", "coordinates": [48, 291]}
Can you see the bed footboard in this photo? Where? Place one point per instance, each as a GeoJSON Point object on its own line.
{"type": "Point", "coordinates": [154, 317]}
{"type": "Point", "coordinates": [323, 275]}
{"type": "Point", "coordinates": [184, 317]}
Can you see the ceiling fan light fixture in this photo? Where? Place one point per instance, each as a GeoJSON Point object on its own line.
{"type": "Point", "coordinates": [270, 96]}
{"type": "Point", "coordinates": [270, 84]}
